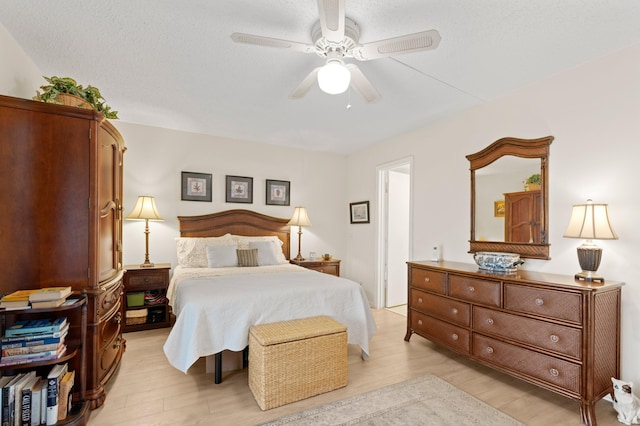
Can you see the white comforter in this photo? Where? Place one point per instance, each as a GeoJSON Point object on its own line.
{"type": "Point", "coordinates": [216, 307]}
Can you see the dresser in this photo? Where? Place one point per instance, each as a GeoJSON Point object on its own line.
{"type": "Point", "coordinates": [549, 330]}
{"type": "Point", "coordinates": [61, 218]}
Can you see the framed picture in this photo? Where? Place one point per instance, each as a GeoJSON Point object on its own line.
{"type": "Point", "coordinates": [498, 208]}
{"type": "Point", "coordinates": [239, 189]}
{"type": "Point", "coordinates": [359, 212]}
{"type": "Point", "coordinates": [196, 186]}
{"type": "Point", "coordinates": [278, 192]}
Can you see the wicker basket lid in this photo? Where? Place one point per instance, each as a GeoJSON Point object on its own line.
{"type": "Point", "coordinates": [289, 331]}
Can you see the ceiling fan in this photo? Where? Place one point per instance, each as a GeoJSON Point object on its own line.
{"type": "Point", "coordinates": [335, 37]}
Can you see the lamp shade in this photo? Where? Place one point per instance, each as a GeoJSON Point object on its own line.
{"type": "Point", "coordinates": [145, 209]}
{"type": "Point", "coordinates": [591, 222]}
{"type": "Point", "coordinates": [334, 77]}
{"type": "Point", "coordinates": [300, 217]}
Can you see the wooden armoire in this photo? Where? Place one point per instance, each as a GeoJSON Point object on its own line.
{"type": "Point", "coordinates": [61, 217]}
{"type": "Point", "coordinates": [523, 217]}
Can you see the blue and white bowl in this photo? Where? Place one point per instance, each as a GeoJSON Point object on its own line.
{"type": "Point", "coordinates": [497, 261]}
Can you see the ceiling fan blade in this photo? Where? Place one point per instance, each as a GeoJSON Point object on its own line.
{"type": "Point", "coordinates": [271, 42]}
{"type": "Point", "coordinates": [361, 85]}
{"type": "Point", "coordinates": [425, 40]}
{"type": "Point", "coordinates": [332, 19]}
{"type": "Point", "coordinates": [305, 85]}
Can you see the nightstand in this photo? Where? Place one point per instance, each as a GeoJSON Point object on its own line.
{"type": "Point", "coordinates": [145, 289]}
{"type": "Point", "coordinates": [331, 266]}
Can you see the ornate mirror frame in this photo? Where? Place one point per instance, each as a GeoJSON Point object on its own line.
{"type": "Point", "coordinates": [524, 148]}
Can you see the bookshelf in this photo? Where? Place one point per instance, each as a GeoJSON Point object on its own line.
{"type": "Point", "coordinates": [75, 354]}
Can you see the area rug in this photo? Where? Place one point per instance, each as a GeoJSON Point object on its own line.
{"type": "Point", "coordinates": [426, 400]}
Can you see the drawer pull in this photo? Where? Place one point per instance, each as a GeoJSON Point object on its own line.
{"type": "Point", "coordinates": [419, 322]}
{"type": "Point", "coordinates": [471, 289]}
{"type": "Point", "coordinates": [554, 338]}
{"type": "Point", "coordinates": [489, 350]}
{"type": "Point", "coordinates": [490, 321]}
{"type": "Point", "coordinates": [426, 279]}
{"type": "Point", "coordinates": [554, 372]}
{"type": "Point", "coordinates": [454, 336]}
{"type": "Point", "coordinates": [539, 302]}
{"type": "Point", "coordinates": [146, 279]}
{"type": "Point", "coordinates": [419, 299]}
{"type": "Point", "coordinates": [454, 311]}
{"type": "Point", "coordinates": [117, 318]}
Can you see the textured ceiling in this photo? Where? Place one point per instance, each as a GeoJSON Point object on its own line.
{"type": "Point", "coordinates": [173, 64]}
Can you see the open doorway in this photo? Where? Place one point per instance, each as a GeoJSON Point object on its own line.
{"type": "Point", "coordinates": [394, 230]}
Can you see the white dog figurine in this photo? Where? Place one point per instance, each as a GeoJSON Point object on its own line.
{"type": "Point", "coordinates": [625, 402]}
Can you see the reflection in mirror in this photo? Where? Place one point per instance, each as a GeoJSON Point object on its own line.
{"type": "Point", "coordinates": [507, 175]}
{"type": "Point", "coordinates": [507, 213]}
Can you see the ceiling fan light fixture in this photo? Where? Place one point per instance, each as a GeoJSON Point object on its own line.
{"type": "Point", "coordinates": [334, 77]}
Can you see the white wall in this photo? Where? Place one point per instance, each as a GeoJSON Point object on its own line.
{"type": "Point", "coordinates": [593, 111]}
{"type": "Point", "coordinates": [19, 76]}
{"type": "Point", "coordinates": [156, 157]}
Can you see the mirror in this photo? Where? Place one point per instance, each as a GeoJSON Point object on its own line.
{"type": "Point", "coordinates": [507, 214]}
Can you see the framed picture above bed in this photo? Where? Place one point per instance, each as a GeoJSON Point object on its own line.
{"type": "Point", "coordinates": [278, 192]}
{"type": "Point", "coordinates": [196, 186]}
{"type": "Point", "coordinates": [359, 212]}
{"type": "Point", "coordinates": [239, 189]}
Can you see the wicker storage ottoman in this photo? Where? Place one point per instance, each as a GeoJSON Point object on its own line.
{"type": "Point", "coordinates": [293, 360]}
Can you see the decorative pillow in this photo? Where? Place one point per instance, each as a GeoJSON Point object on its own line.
{"type": "Point", "coordinates": [221, 256]}
{"type": "Point", "coordinates": [266, 252]}
{"type": "Point", "coordinates": [247, 257]}
{"type": "Point", "coordinates": [192, 251]}
{"type": "Point", "coordinates": [243, 243]}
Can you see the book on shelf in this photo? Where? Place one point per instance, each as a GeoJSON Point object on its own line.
{"type": "Point", "coordinates": [39, 358]}
{"type": "Point", "coordinates": [14, 401]}
{"type": "Point", "coordinates": [23, 350]}
{"type": "Point", "coordinates": [53, 380]}
{"type": "Point", "coordinates": [36, 337]}
{"type": "Point", "coordinates": [49, 293]}
{"type": "Point", "coordinates": [48, 303]}
{"type": "Point", "coordinates": [43, 403]}
{"type": "Point", "coordinates": [26, 400]}
{"type": "Point", "coordinates": [64, 394]}
{"type": "Point", "coordinates": [36, 403]}
{"type": "Point", "coordinates": [3, 381]}
{"type": "Point", "coordinates": [28, 357]}
{"type": "Point", "coordinates": [24, 327]}
{"type": "Point", "coordinates": [18, 304]}
{"type": "Point", "coordinates": [17, 296]}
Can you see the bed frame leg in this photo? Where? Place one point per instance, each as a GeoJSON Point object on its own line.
{"type": "Point", "coordinates": [218, 373]}
{"type": "Point", "coordinates": [245, 357]}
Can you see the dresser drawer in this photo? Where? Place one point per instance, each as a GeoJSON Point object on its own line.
{"type": "Point", "coordinates": [110, 345]}
{"type": "Point", "coordinates": [529, 363]}
{"type": "Point", "coordinates": [547, 303]}
{"type": "Point", "coordinates": [109, 299]}
{"type": "Point", "coordinates": [428, 280]}
{"type": "Point", "coordinates": [441, 332]}
{"type": "Point", "coordinates": [451, 310]}
{"type": "Point", "coordinates": [561, 339]}
{"type": "Point", "coordinates": [478, 291]}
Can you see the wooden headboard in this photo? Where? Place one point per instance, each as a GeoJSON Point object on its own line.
{"type": "Point", "coordinates": [237, 222]}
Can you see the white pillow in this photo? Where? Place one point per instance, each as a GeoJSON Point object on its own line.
{"type": "Point", "coordinates": [243, 243]}
{"type": "Point", "coordinates": [192, 250]}
{"type": "Point", "coordinates": [221, 256]}
{"type": "Point", "coordinates": [266, 252]}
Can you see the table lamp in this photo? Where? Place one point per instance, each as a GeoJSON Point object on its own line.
{"type": "Point", "coordinates": [591, 222]}
{"type": "Point", "coordinates": [299, 219]}
{"type": "Point", "coordinates": [146, 210]}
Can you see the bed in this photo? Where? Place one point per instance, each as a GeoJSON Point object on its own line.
{"type": "Point", "coordinates": [216, 302]}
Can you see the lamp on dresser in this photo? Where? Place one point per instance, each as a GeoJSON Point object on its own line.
{"type": "Point", "coordinates": [591, 222]}
{"type": "Point", "coordinates": [299, 219]}
{"type": "Point", "coordinates": [146, 210]}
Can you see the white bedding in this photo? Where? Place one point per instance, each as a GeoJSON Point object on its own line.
{"type": "Point", "coordinates": [215, 307]}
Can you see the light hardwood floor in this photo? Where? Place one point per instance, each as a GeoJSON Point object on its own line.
{"type": "Point", "coordinates": [148, 391]}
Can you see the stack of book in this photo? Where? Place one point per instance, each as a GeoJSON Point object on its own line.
{"type": "Point", "coordinates": [31, 400]}
{"type": "Point", "coordinates": [34, 341]}
{"type": "Point", "coordinates": [50, 297]}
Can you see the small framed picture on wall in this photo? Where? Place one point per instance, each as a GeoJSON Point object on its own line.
{"type": "Point", "coordinates": [278, 192]}
{"type": "Point", "coordinates": [359, 212]}
{"type": "Point", "coordinates": [196, 186]}
{"type": "Point", "coordinates": [239, 189]}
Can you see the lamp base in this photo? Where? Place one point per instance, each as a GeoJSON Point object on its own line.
{"type": "Point", "coordinates": [298, 257]}
{"type": "Point", "coordinates": [589, 276]}
{"type": "Point", "coordinates": [147, 265]}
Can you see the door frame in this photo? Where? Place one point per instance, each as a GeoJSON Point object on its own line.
{"type": "Point", "coordinates": [382, 171]}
